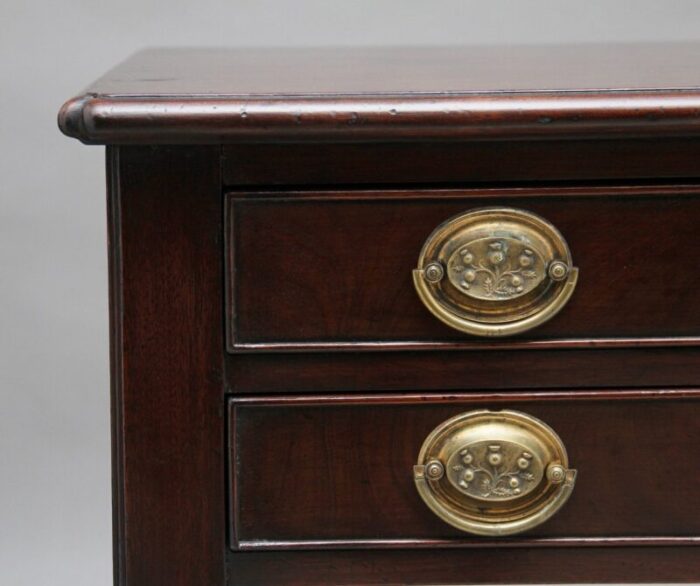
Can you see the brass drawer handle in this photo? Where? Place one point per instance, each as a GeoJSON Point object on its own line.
{"type": "Point", "coordinates": [495, 272]}
{"type": "Point", "coordinates": [494, 472]}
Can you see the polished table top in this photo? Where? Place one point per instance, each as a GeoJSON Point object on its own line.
{"type": "Point", "coordinates": [228, 95]}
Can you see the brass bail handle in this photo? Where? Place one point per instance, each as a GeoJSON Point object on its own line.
{"type": "Point", "coordinates": [495, 272]}
{"type": "Point", "coordinates": [494, 472]}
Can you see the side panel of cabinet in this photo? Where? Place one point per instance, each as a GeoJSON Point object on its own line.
{"type": "Point", "coordinates": [165, 289]}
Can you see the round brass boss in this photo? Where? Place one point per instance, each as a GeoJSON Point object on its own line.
{"type": "Point", "coordinates": [494, 472]}
{"type": "Point", "coordinates": [495, 272]}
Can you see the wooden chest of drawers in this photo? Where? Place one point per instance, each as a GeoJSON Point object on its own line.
{"type": "Point", "coordinates": [403, 316]}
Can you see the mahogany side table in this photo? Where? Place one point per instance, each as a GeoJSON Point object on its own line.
{"type": "Point", "coordinates": [403, 316]}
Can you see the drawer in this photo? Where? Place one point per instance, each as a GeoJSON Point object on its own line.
{"type": "Point", "coordinates": [333, 270]}
{"type": "Point", "coordinates": [338, 471]}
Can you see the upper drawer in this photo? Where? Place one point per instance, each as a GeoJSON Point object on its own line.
{"type": "Point", "coordinates": [332, 270]}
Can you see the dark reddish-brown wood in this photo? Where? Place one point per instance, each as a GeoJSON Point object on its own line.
{"type": "Point", "coordinates": [215, 119]}
{"type": "Point", "coordinates": [326, 268]}
{"type": "Point", "coordinates": [165, 236]}
{"type": "Point", "coordinates": [435, 371]}
{"type": "Point", "coordinates": [357, 71]}
{"type": "Point", "coordinates": [482, 566]}
{"type": "Point", "coordinates": [334, 471]}
{"type": "Point", "coordinates": [463, 163]}
{"type": "Point", "coordinates": [337, 165]}
{"type": "Point", "coordinates": [346, 95]}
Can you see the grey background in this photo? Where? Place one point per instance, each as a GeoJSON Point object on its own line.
{"type": "Point", "coordinates": [55, 524]}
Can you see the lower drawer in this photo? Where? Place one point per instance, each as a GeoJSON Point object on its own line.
{"type": "Point", "coordinates": [337, 471]}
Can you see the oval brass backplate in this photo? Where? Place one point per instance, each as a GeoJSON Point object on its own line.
{"type": "Point", "coordinates": [494, 472]}
{"type": "Point", "coordinates": [495, 272]}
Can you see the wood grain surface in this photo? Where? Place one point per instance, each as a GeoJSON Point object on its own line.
{"type": "Point", "coordinates": [455, 370]}
{"type": "Point", "coordinates": [459, 163]}
{"type": "Point", "coordinates": [453, 567]}
{"type": "Point", "coordinates": [321, 268]}
{"type": "Point", "coordinates": [340, 469]}
{"type": "Point", "coordinates": [167, 367]}
{"type": "Point", "coordinates": [273, 371]}
{"type": "Point", "coordinates": [218, 96]}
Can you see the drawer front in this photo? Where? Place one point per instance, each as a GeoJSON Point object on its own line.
{"type": "Point", "coordinates": [334, 270]}
{"type": "Point", "coordinates": [339, 471]}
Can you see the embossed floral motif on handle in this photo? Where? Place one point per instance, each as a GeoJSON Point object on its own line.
{"type": "Point", "coordinates": [494, 471]}
{"type": "Point", "coordinates": [491, 478]}
{"type": "Point", "coordinates": [495, 268]}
